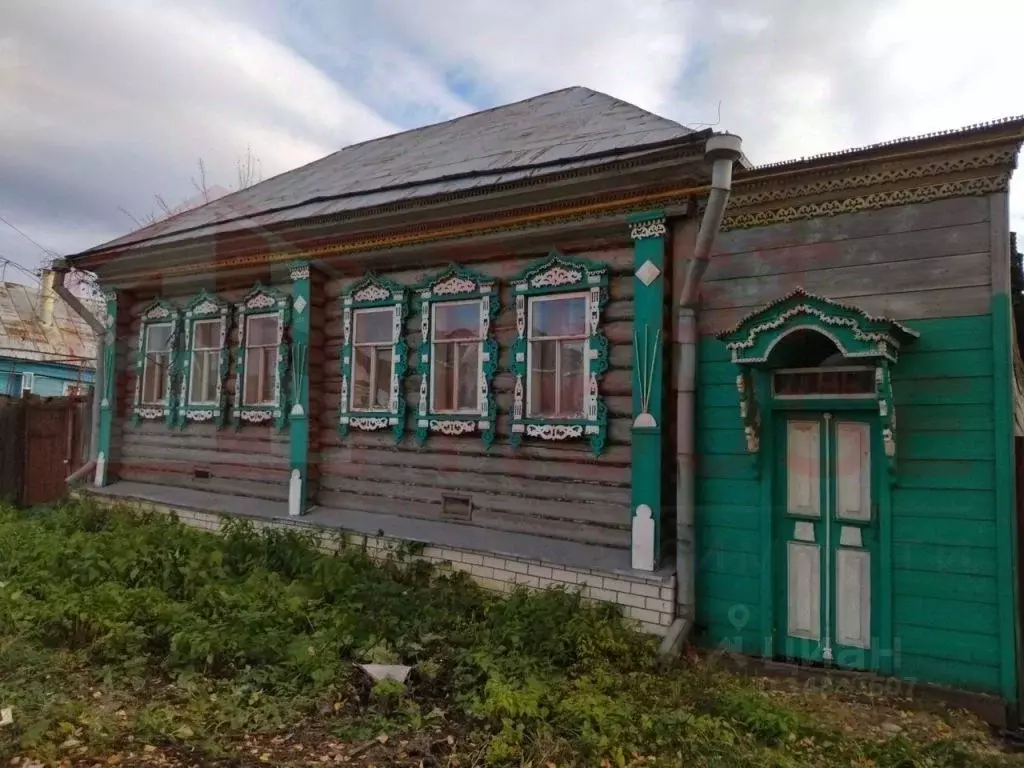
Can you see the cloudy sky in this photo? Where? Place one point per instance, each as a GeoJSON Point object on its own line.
{"type": "Point", "coordinates": [105, 103]}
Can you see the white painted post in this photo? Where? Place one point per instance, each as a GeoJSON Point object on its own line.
{"type": "Point", "coordinates": [643, 539]}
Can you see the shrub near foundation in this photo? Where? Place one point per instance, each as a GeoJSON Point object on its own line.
{"type": "Point", "coordinates": [198, 640]}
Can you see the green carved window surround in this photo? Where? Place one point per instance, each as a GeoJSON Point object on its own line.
{"type": "Point", "coordinates": [374, 356]}
{"type": "Point", "coordinates": [457, 311]}
{"type": "Point", "coordinates": [205, 361]}
{"type": "Point", "coordinates": [261, 359]}
{"type": "Point", "coordinates": [156, 361]}
{"type": "Point", "coordinates": [560, 352]}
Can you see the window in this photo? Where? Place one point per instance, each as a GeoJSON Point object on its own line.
{"type": "Point", "coordinates": [156, 395]}
{"type": "Point", "coordinates": [205, 368]}
{"type": "Point", "coordinates": [456, 341]}
{"type": "Point", "coordinates": [72, 389]}
{"type": "Point", "coordinates": [261, 359]}
{"type": "Point", "coordinates": [28, 381]}
{"type": "Point", "coordinates": [849, 381]}
{"type": "Point", "coordinates": [373, 357]}
{"type": "Point", "coordinates": [458, 354]}
{"type": "Point", "coordinates": [560, 352]}
{"type": "Point", "coordinates": [156, 363]}
{"type": "Point", "coordinates": [558, 335]}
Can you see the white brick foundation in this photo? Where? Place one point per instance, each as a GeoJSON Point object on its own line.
{"type": "Point", "coordinates": [645, 599]}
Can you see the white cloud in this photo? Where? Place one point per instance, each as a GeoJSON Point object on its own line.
{"type": "Point", "coordinates": [105, 103]}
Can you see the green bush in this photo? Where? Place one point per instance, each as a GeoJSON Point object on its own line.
{"type": "Point", "coordinates": [255, 630]}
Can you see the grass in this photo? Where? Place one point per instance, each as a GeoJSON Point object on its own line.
{"type": "Point", "coordinates": [130, 639]}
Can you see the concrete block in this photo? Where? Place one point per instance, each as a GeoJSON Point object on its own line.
{"type": "Point", "coordinates": [617, 585]}
{"type": "Point", "coordinates": [540, 571]}
{"type": "Point", "coordinates": [647, 590]}
{"type": "Point", "coordinates": [526, 580]}
{"type": "Point", "coordinates": [657, 604]}
{"type": "Point", "coordinates": [642, 614]}
{"type": "Point", "coordinates": [623, 598]}
{"type": "Point", "coordinates": [568, 577]}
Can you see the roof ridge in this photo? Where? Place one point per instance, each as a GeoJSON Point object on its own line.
{"type": "Point", "coordinates": [892, 142]}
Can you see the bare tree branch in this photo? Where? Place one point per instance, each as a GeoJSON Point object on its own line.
{"type": "Point", "coordinates": [248, 168]}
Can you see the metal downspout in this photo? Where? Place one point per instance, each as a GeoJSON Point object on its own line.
{"type": "Point", "coordinates": [60, 272]}
{"type": "Point", "coordinates": [722, 150]}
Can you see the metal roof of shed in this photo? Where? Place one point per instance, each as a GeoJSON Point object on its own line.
{"type": "Point", "coordinates": [568, 129]}
{"type": "Point", "coordinates": [24, 335]}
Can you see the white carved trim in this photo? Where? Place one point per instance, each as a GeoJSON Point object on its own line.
{"type": "Point", "coordinates": [257, 417]}
{"type": "Point", "coordinates": [554, 431]}
{"type": "Point", "coordinates": [451, 427]}
{"type": "Point", "coordinates": [261, 301]}
{"type": "Point", "coordinates": [299, 273]}
{"type": "Point", "coordinates": [195, 415]}
{"type": "Point", "coordinates": [368, 423]}
{"type": "Point", "coordinates": [372, 292]}
{"type": "Point", "coordinates": [556, 276]}
{"type": "Point", "coordinates": [453, 285]}
{"type": "Point", "coordinates": [641, 230]}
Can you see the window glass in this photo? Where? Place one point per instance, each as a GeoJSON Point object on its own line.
{"type": "Point", "coordinates": [262, 330]}
{"type": "Point", "coordinates": [205, 367]}
{"type": "Point", "coordinates": [260, 360]}
{"type": "Point", "coordinates": [206, 334]}
{"type": "Point", "coordinates": [456, 321]}
{"type": "Point", "coordinates": [155, 363]}
{"type": "Point", "coordinates": [372, 359]}
{"type": "Point", "coordinates": [558, 317]}
{"type": "Point", "coordinates": [455, 359]}
{"type": "Point", "coordinates": [373, 326]}
{"type": "Point", "coordinates": [557, 357]}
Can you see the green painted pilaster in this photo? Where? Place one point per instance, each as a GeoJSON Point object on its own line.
{"type": "Point", "coordinates": [1003, 448]}
{"type": "Point", "coordinates": [648, 234]}
{"type": "Point", "coordinates": [1002, 390]}
{"type": "Point", "coordinates": [108, 403]}
{"type": "Point", "coordinates": [298, 420]}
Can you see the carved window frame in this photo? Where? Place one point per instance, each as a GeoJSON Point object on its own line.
{"type": "Point", "coordinates": [156, 313]}
{"type": "Point", "coordinates": [262, 300]}
{"type": "Point", "coordinates": [374, 292]}
{"type": "Point", "coordinates": [204, 307]}
{"type": "Point", "coordinates": [559, 275]}
{"type": "Point", "coordinates": [458, 285]}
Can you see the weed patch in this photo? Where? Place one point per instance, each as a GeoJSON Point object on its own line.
{"type": "Point", "coordinates": [129, 633]}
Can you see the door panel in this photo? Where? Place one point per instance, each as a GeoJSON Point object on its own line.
{"type": "Point", "coordinates": [853, 470]}
{"type": "Point", "coordinates": [853, 598]}
{"type": "Point", "coordinates": [804, 590]}
{"type": "Point", "coordinates": [803, 468]}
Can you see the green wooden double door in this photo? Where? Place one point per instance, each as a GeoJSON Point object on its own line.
{"type": "Point", "coordinates": [826, 569]}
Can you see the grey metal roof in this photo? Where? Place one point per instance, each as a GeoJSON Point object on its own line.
{"type": "Point", "coordinates": [24, 336]}
{"type": "Point", "coordinates": [566, 129]}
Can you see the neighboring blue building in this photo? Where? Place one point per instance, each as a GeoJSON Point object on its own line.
{"type": "Point", "coordinates": [45, 348]}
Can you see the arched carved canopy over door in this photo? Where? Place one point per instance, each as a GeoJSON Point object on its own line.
{"type": "Point", "coordinates": [856, 334]}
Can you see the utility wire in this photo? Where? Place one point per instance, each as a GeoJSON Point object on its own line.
{"type": "Point", "coordinates": [47, 251]}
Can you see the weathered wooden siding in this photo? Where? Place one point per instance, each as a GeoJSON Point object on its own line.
{"type": "Point", "coordinates": [249, 461]}
{"type": "Point", "coordinates": [928, 266]}
{"type": "Point", "coordinates": [915, 261]}
{"type": "Point", "coordinates": [553, 489]}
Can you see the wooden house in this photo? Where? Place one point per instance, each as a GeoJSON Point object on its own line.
{"type": "Point", "coordinates": [45, 348]}
{"type": "Point", "coordinates": [502, 337]}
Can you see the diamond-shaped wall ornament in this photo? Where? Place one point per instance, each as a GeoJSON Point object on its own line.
{"type": "Point", "coordinates": [647, 272]}
{"type": "Point", "coordinates": [299, 305]}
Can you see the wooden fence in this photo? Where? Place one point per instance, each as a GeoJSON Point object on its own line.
{"type": "Point", "coordinates": [42, 441]}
